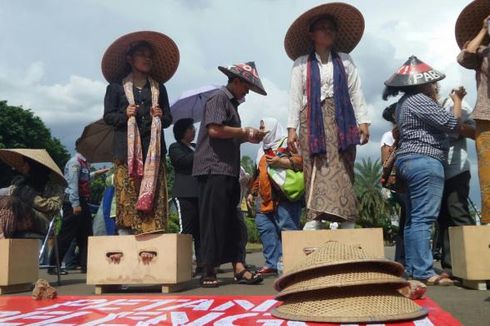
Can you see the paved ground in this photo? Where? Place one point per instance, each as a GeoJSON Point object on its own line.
{"type": "Point", "coordinates": [471, 307]}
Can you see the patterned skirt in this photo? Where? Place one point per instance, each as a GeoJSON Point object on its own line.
{"type": "Point", "coordinates": [329, 180]}
{"type": "Point", "coordinates": [127, 192]}
{"type": "Point", "coordinates": [483, 152]}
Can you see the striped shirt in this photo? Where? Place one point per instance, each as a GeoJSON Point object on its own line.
{"type": "Point", "coordinates": [424, 126]}
{"type": "Point", "coordinates": [213, 155]}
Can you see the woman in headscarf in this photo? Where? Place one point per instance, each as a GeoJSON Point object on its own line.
{"type": "Point", "coordinates": [472, 35]}
{"type": "Point", "coordinates": [34, 197]}
{"type": "Point", "coordinates": [136, 105]}
{"type": "Point", "coordinates": [422, 152]}
{"type": "Point", "coordinates": [275, 213]}
{"type": "Point", "coordinates": [327, 104]}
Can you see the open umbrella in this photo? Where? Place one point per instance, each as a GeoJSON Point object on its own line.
{"type": "Point", "coordinates": [191, 103]}
{"type": "Point", "coordinates": [96, 142]}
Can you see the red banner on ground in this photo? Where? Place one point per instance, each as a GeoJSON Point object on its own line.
{"type": "Point", "coordinates": [165, 310]}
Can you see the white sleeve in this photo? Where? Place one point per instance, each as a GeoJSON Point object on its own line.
{"type": "Point", "coordinates": [295, 94]}
{"type": "Point", "coordinates": [387, 139]}
{"type": "Point", "coordinates": [355, 91]}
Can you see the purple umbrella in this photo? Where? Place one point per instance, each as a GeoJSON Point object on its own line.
{"type": "Point", "coordinates": [191, 103]}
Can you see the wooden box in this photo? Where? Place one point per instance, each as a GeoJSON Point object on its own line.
{"type": "Point", "coordinates": [19, 264]}
{"type": "Point", "coordinates": [470, 252]}
{"type": "Point", "coordinates": [171, 265]}
{"type": "Point", "coordinates": [294, 242]}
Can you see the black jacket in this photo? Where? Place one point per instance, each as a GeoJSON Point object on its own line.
{"type": "Point", "coordinates": [115, 104]}
{"type": "Point", "coordinates": [182, 158]}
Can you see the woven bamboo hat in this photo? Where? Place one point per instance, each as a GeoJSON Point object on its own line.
{"type": "Point", "coordinates": [333, 253]}
{"type": "Point", "coordinates": [165, 57]}
{"type": "Point", "coordinates": [414, 72]}
{"type": "Point", "coordinates": [14, 158]}
{"type": "Point", "coordinates": [248, 72]}
{"type": "Point", "coordinates": [470, 21]}
{"type": "Point", "coordinates": [350, 305]}
{"type": "Point", "coordinates": [342, 276]}
{"type": "Point", "coordinates": [350, 28]}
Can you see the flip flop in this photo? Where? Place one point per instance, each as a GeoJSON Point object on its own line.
{"type": "Point", "coordinates": [438, 280]}
{"type": "Point", "coordinates": [209, 281]}
{"type": "Point", "coordinates": [256, 278]}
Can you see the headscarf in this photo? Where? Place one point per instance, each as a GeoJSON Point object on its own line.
{"type": "Point", "coordinates": [273, 139]}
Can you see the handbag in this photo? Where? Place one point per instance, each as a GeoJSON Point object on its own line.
{"type": "Point", "coordinates": [291, 183]}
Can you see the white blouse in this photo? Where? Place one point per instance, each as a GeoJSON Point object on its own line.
{"type": "Point", "coordinates": [297, 93]}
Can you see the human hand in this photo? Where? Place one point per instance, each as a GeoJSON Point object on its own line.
{"type": "Point", "coordinates": [156, 111]}
{"type": "Point", "coordinates": [254, 135]}
{"type": "Point", "coordinates": [273, 161]}
{"type": "Point", "coordinates": [485, 23]}
{"type": "Point", "coordinates": [250, 200]}
{"type": "Point", "coordinates": [364, 133]}
{"type": "Point", "coordinates": [77, 210]}
{"type": "Point", "coordinates": [131, 110]}
{"type": "Point", "coordinates": [458, 94]}
{"type": "Point", "coordinates": [292, 140]}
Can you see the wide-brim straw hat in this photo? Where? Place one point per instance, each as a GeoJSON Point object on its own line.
{"type": "Point", "coordinates": [343, 276]}
{"type": "Point", "coordinates": [14, 158]}
{"type": "Point", "coordinates": [247, 72]}
{"type": "Point", "coordinates": [414, 72]}
{"type": "Point", "coordinates": [166, 56]}
{"type": "Point", "coordinates": [470, 21]}
{"type": "Point", "coordinates": [333, 253]}
{"type": "Point", "coordinates": [362, 304]}
{"type": "Point", "coordinates": [350, 29]}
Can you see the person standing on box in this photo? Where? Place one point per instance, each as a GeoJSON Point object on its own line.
{"type": "Point", "coordinates": [217, 167]}
{"type": "Point", "coordinates": [136, 104]}
{"type": "Point", "coordinates": [472, 35]}
{"type": "Point", "coordinates": [424, 126]}
{"type": "Point", "coordinates": [326, 102]}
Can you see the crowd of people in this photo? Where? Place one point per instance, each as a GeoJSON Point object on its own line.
{"type": "Point", "coordinates": [308, 164]}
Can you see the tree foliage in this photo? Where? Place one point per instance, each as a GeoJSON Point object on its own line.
{"type": "Point", "coordinates": [20, 128]}
{"type": "Point", "coordinates": [375, 210]}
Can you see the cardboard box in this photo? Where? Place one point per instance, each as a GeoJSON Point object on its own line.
{"type": "Point", "coordinates": [172, 264]}
{"type": "Point", "coordinates": [470, 252]}
{"type": "Point", "coordinates": [294, 242]}
{"type": "Point", "coordinates": [19, 261]}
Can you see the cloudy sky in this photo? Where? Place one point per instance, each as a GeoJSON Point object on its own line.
{"type": "Point", "coordinates": [51, 52]}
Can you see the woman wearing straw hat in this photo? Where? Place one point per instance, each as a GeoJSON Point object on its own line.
{"type": "Point", "coordinates": [472, 30]}
{"type": "Point", "coordinates": [327, 103]}
{"type": "Point", "coordinates": [136, 104]}
{"type": "Point", "coordinates": [422, 152]}
{"type": "Point", "coordinates": [34, 197]}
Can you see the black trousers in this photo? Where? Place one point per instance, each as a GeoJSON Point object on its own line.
{"type": "Point", "coordinates": [77, 227]}
{"type": "Point", "coordinates": [454, 211]}
{"type": "Point", "coordinates": [221, 228]}
{"type": "Point", "coordinates": [189, 213]}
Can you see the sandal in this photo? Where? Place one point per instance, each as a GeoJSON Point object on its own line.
{"type": "Point", "coordinates": [255, 279]}
{"type": "Point", "coordinates": [439, 280]}
{"type": "Point", "coordinates": [209, 281]}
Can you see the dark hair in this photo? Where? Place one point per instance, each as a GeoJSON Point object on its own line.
{"type": "Point", "coordinates": [388, 113]}
{"type": "Point", "coordinates": [330, 18]}
{"type": "Point", "coordinates": [181, 126]}
{"type": "Point", "coordinates": [137, 46]}
{"type": "Point", "coordinates": [390, 91]}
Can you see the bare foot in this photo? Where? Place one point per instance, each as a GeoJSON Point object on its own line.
{"type": "Point", "coordinates": [114, 257]}
{"type": "Point", "coordinates": [147, 256]}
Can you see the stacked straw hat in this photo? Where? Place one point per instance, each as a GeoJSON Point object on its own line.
{"type": "Point", "coordinates": [341, 283]}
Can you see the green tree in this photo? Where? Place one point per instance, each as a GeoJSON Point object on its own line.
{"type": "Point", "coordinates": [20, 128]}
{"type": "Point", "coordinates": [375, 210]}
{"type": "Point", "coordinates": [248, 164]}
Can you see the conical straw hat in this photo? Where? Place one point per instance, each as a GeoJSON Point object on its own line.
{"type": "Point", "coordinates": [14, 158]}
{"type": "Point", "coordinates": [248, 72]}
{"type": "Point", "coordinates": [342, 276]}
{"type": "Point", "coordinates": [470, 21]}
{"type": "Point", "coordinates": [360, 304]}
{"type": "Point", "coordinates": [414, 72]}
{"type": "Point", "coordinates": [350, 23]}
{"type": "Point", "coordinates": [333, 253]}
{"type": "Point", "coordinates": [165, 58]}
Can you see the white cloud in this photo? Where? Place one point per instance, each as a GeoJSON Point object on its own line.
{"type": "Point", "coordinates": [51, 62]}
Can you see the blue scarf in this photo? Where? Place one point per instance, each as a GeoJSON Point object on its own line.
{"type": "Point", "coordinates": [348, 132]}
